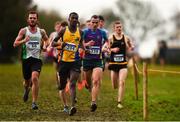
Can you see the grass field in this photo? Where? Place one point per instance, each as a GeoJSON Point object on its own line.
{"type": "Point", "coordinates": [163, 98]}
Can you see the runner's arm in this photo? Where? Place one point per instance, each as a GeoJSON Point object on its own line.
{"type": "Point", "coordinates": [55, 42]}
{"type": "Point", "coordinates": [129, 43]}
{"type": "Point", "coordinates": [106, 46]}
{"type": "Point", "coordinates": [44, 39]}
{"type": "Point", "coordinates": [19, 39]}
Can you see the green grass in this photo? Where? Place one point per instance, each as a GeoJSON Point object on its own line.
{"type": "Point", "coordinates": [163, 98]}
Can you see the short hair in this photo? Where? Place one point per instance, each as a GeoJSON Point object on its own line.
{"type": "Point", "coordinates": [88, 20]}
{"type": "Point", "coordinates": [95, 17]}
{"type": "Point", "coordinates": [117, 22]}
{"type": "Point", "coordinates": [57, 23]}
{"type": "Point", "coordinates": [101, 17]}
{"type": "Point", "coordinates": [73, 13]}
{"type": "Point", "coordinates": [64, 23]}
{"type": "Point", "coordinates": [32, 12]}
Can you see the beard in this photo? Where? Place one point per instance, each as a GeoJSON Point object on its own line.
{"type": "Point", "coordinates": [32, 24]}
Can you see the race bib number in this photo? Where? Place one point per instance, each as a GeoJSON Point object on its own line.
{"type": "Point", "coordinates": [118, 58]}
{"type": "Point", "coordinates": [33, 45]}
{"type": "Point", "coordinates": [94, 50]}
{"type": "Point", "coordinates": [70, 47]}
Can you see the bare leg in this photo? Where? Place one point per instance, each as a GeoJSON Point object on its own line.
{"type": "Point", "coordinates": [87, 76]}
{"type": "Point", "coordinates": [27, 83]}
{"type": "Point", "coordinates": [114, 79]}
{"type": "Point", "coordinates": [162, 62]}
{"type": "Point", "coordinates": [62, 95]}
{"type": "Point", "coordinates": [35, 85]}
{"type": "Point", "coordinates": [73, 79]}
{"type": "Point", "coordinates": [96, 80]}
{"type": "Point", "coordinates": [57, 73]}
{"type": "Point", "coordinates": [122, 78]}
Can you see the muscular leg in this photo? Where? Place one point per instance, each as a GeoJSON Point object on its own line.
{"type": "Point", "coordinates": [122, 78]}
{"type": "Point", "coordinates": [62, 85]}
{"type": "Point", "coordinates": [62, 95]}
{"type": "Point", "coordinates": [88, 76]}
{"type": "Point", "coordinates": [27, 83]}
{"type": "Point", "coordinates": [73, 79]}
{"type": "Point", "coordinates": [96, 81]}
{"type": "Point", "coordinates": [35, 85]}
{"type": "Point", "coordinates": [26, 69]}
{"type": "Point", "coordinates": [57, 73]}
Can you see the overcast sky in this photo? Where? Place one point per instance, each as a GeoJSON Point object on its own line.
{"type": "Point", "coordinates": [86, 8]}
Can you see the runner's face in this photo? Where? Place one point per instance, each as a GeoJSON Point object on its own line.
{"type": "Point", "coordinates": [88, 24]}
{"type": "Point", "coordinates": [73, 19]}
{"type": "Point", "coordinates": [118, 28]}
{"type": "Point", "coordinates": [101, 23]}
{"type": "Point", "coordinates": [94, 23]}
{"type": "Point", "coordinates": [32, 20]}
{"type": "Point", "coordinates": [57, 27]}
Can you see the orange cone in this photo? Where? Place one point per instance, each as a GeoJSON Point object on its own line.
{"type": "Point", "coordinates": [81, 85]}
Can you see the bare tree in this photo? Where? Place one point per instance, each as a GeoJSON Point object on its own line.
{"type": "Point", "coordinates": [176, 20]}
{"type": "Point", "coordinates": [139, 18]}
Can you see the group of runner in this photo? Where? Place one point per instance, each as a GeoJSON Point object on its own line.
{"type": "Point", "coordinates": [74, 48]}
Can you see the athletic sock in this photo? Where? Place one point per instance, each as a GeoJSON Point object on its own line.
{"type": "Point", "coordinates": [93, 102]}
{"type": "Point", "coordinates": [119, 102]}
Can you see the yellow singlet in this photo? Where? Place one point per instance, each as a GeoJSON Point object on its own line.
{"type": "Point", "coordinates": [72, 40]}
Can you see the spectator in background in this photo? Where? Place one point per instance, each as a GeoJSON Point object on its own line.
{"type": "Point", "coordinates": [162, 52]}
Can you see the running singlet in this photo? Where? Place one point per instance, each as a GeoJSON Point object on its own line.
{"type": "Point", "coordinates": [70, 51]}
{"type": "Point", "coordinates": [120, 56]}
{"type": "Point", "coordinates": [32, 48]}
{"type": "Point", "coordinates": [98, 36]}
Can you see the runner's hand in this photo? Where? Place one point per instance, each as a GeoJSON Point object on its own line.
{"type": "Point", "coordinates": [26, 39]}
{"type": "Point", "coordinates": [115, 50]}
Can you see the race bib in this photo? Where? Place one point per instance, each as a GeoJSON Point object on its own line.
{"type": "Point", "coordinates": [33, 45]}
{"type": "Point", "coordinates": [118, 58]}
{"type": "Point", "coordinates": [70, 47]}
{"type": "Point", "coordinates": [94, 50]}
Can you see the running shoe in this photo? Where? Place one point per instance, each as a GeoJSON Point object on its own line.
{"type": "Point", "coordinates": [119, 105]}
{"type": "Point", "coordinates": [72, 111]}
{"type": "Point", "coordinates": [34, 106]}
{"type": "Point", "coordinates": [93, 107]}
{"type": "Point", "coordinates": [66, 109]}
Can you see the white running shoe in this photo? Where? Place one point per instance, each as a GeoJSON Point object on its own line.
{"type": "Point", "coordinates": [119, 105]}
